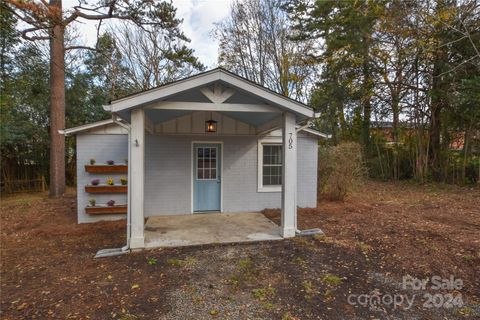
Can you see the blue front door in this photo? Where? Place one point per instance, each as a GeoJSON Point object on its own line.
{"type": "Point", "coordinates": [206, 177]}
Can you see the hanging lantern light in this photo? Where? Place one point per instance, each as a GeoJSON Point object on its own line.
{"type": "Point", "coordinates": [211, 125]}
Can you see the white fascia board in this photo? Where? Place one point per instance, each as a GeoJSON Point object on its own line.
{"type": "Point", "coordinates": [317, 133]}
{"type": "Point", "coordinates": [87, 126]}
{"type": "Point", "coordinates": [163, 91]}
{"type": "Point", "coordinates": [257, 90]}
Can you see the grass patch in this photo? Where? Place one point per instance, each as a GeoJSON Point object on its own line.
{"type": "Point", "coordinates": [467, 311]}
{"type": "Point", "coordinates": [263, 294]}
{"type": "Point", "coordinates": [288, 316]}
{"type": "Point", "coordinates": [309, 289]}
{"type": "Point", "coordinates": [152, 261]}
{"type": "Point", "coordinates": [468, 257]}
{"type": "Point", "coordinates": [247, 268]}
{"type": "Point", "coordinates": [126, 315]}
{"type": "Point", "coordinates": [245, 265]}
{"type": "Point", "coordinates": [364, 247]}
{"type": "Point", "coordinates": [187, 262]}
{"type": "Point", "coordinates": [331, 280]}
{"type": "Point", "coordinates": [299, 261]}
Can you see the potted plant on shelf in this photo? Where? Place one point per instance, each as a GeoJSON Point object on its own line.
{"type": "Point", "coordinates": [95, 182]}
{"type": "Point", "coordinates": [123, 181]}
{"type": "Point", "coordinates": [92, 202]}
{"type": "Point", "coordinates": [110, 181]}
{"type": "Point", "coordinates": [110, 162]}
{"type": "Point", "coordinates": [111, 203]}
{"type": "Point", "coordinates": [92, 161]}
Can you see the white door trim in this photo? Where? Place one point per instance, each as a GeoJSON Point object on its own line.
{"type": "Point", "coordinates": [192, 159]}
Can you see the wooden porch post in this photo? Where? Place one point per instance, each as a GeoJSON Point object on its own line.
{"type": "Point", "coordinates": [289, 176]}
{"type": "Point", "coordinates": [137, 166]}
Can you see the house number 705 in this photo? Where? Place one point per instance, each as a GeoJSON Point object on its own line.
{"type": "Point", "coordinates": [290, 141]}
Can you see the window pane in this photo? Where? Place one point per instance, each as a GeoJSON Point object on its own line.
{"type": "Point", "coordinates": [213, 153]}
{"type": "Point", "coordinates": [206, 174]}
{"type": "Point", "coordinates": [206, 152]}
{"type": "Point", "coordinates": [200, 163]}
{"type": "Point", "coordinates": [276, 155]}
{"type": "Point", "coordinates": [272, 154]}
{"type": "Point", "coordinates": [213, 174]}
{"type": "Point", "coordinates": [276, 180]}
{"type": "Point", "coordinates": [266, 170]}
{"type": "Point", "coordinates": [266, 180]}
{"type": "Point", "coordinates": [206, 163]}
{"type": "Point", "coordinates": [200, 174]}
{"type": "Point", "coordinates": [200, 152]}
{"type": "Point", "coordinates": [213, 163]}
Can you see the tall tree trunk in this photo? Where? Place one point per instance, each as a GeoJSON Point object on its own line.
{"type": "Point", "coordinates": [367, 93]}
{"type": "Point", "coordinates": [57, 104]}
{"type": "Point", "coordinates": [396, 114]}
{"type": "Point", "coordinates": [367, 105]}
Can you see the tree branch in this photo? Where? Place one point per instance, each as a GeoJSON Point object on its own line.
{"type": "Point", "coordinates": [80, 47]}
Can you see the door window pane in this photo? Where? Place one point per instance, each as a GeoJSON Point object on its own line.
{"type": "Point", "coordinates": [206, 163]}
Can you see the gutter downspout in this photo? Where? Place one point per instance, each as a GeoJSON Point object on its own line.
{"type": "Point", "coordinates": [129, 176]}
{"type": "Point", "coordinates": [125, 249]}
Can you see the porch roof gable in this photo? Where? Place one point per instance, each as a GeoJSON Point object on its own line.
{"type": "Point", "coordinates": [163, 92]}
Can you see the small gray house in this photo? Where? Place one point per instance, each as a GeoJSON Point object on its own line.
{"type": "Point", "coordinates": [213, 142]}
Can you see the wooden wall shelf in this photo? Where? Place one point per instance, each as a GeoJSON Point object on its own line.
{"type": "Point", "coordinates": [106, 189]}
{"type": "Point", "coordinates": [105, 168]}
{"type": "Point", "coordinates": [118, 209]}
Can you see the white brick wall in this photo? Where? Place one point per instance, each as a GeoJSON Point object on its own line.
{"type": "Point", "coordinates": [168, 169]}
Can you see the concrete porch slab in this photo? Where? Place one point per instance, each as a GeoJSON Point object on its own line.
{"type": "Point", "coordinates": [208, 228]}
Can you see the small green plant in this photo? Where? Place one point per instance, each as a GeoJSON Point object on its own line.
{"type": "Point", "coordinates": [287, 316]}
{"type": "Point", "coordinates": [467, 311]}
{"type": "Point", "coordinates": [332, 280]}
{"type": "Point", "coordinates": [245, 264]}
{"type": "Point", "coordinates": [468, 257]}
{"type": "Point", "coordinates": [263, 294]}
{"type": "Point", "coordinates": [213, 312]}
{"type": "Point", "coordinates": [92, 202]}
{"type": "Point", "coordinates": [152, 261]}
{"type": "Point", "coordinates": [174, 262]}
{"type": "Point", "coordinates": [234, 281]}
{"type": "Point", "coordinates": [187, 262]}
{"type": "Point", "coordinates": [126, 315]}
{"type": "Point", "coordinates": [123, 181]}
{"type": "Point", "coordinates": [328, 294]}
{"type": "Point", "coordinates": [299, 261]}
{"type": "Point", "coordinates": [92, 161]}
{"type": "Point", "coordinates": [110, 181]}
{"type": "Point", "coordinates": [308, 288]}
{"type": "Point", "coordinates": [364, 247]}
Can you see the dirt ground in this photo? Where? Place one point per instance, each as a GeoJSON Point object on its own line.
{"type": "Point", "coordinates": [380, 234]}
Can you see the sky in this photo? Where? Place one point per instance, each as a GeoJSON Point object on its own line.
{"type": "Point", "coordinates": [198, 17]}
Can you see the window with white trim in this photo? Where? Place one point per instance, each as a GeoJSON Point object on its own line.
{"type": "Point", "coordinates": [269, 166]}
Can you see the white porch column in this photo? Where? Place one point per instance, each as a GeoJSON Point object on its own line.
{"type": "Point", "coordinates": [138, 178]}
{"type": "Point", "coordinates": [289, 177]}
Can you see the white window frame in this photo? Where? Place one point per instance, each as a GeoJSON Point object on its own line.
{"type": "Point", "coordinates": [261, 143]}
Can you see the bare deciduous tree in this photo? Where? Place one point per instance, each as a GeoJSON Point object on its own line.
{"type": "Point", "coordinates": [255, 42]}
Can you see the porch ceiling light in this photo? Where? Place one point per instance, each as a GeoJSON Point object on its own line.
{"type": "Point", "coordinates": [211, 125]}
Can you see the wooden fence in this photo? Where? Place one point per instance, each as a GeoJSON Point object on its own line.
{"type": "Point", "coordinates": [15, 186]}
